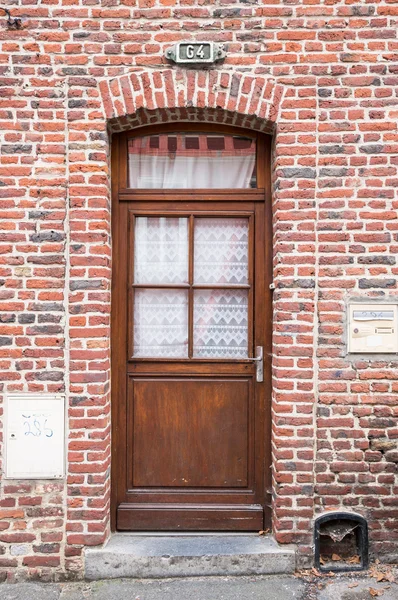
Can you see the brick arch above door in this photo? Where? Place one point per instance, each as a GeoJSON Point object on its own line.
{"type": "Point", "coordinates": [165, 96]}
{"type": "Point", "coordinates": [151, 97]}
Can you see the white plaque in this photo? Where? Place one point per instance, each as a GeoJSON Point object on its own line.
{"type": "Point", "coordinates": [34, 436]}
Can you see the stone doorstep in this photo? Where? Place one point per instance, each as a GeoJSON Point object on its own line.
{"type": "Point", "coordinates": [150, 555]}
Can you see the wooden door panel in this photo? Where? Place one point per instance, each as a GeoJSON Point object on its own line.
{"type": "Point", "coordinates": [190, 433]}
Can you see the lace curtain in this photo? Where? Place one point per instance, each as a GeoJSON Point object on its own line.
{"type": "Point", "coordinates": [188, 161]}
{"type": "Point", "coordinates": [220, 316]}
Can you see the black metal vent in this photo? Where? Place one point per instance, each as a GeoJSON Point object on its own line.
{"type": "Point", "coordinates": [342, 535]}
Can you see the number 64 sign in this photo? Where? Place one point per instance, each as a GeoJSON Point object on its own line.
{"type": "Point", "coordinates": [195, 52]}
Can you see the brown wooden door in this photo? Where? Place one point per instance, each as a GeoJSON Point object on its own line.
{"type": "Point", "coordinates": [190, 305]}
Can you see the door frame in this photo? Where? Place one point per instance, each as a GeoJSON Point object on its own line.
{"type": "Point", "coordinates": [121, 192]}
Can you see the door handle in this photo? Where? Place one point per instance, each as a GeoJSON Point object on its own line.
{"type": "Point", "coordinates": [259, 360]}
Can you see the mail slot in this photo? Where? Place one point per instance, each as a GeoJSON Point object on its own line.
{"type": "Point", "coordinates": [372, 328]}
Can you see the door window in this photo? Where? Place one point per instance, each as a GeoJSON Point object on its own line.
{"type": "Point", "coordinates": [161, 250]}
{"type": "Point", "coordinates": [221, 250]}
{"type": "Point", "coordinates": [189, 160]}
{"type": "Point", "coordinates": [160, 323]}
{"type": "Point", "coordinates": [220, 323]}
{"type": "Point", "coordinates": [191, 287]}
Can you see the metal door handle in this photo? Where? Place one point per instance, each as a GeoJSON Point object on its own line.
{"type": "Point", "coordinates": [259, 359]}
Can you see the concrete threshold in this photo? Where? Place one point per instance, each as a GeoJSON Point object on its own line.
{"type": "Point", "coordinates": [159, 556]}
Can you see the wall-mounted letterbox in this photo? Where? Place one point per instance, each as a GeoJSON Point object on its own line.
{"type": "Point", "coordinates": [372, 328]}
{"type": "Point", "coordinates": [34, 436]}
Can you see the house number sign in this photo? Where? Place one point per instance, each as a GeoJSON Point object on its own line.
{"type": "Point", "coordinates": [195, 52]}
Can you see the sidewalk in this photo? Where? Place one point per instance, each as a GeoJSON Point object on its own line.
{"type": "Point", "coordinates": [304, 586]}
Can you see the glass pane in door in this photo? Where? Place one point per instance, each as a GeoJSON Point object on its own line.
{"type": "Point", "coordinates": [160, 313]}
{"type": "Point", "coordinates": [220, 321]}
{"type": "Point", "coordinates": [161, 250]}
{"type": "Point", "coordinates": [221, 250]}
{"type": "Point", "coordinates": [205, 276]}
{"type": "Point", "coordinates": [192, 160]}
{"type": "Point", "coordinates": [160, 323]}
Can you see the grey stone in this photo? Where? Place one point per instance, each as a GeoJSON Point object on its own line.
{"type": "Point", "coordinates": [235, 83]}
{"type": "Point", "coordinates": [39, 214]}
{"type": "Point", "coordinates": [96, 284]}
{"type": "Point", "coordinates": [16, 149]}
{"type": "Point", "coordinates": [222, 13]}
{"type": "Point", "coordinates": [160, 556]}
{"type": "Point", "coordinates": [29, 591]}
{"type": "Point", "coordinates": [26, 318]}
{"type": "Point", "coordinates": [334, 172]}
{"type": "Point", "coordinates": [49, 318]}
{"type": "Point", "coordinates": [380, 422]}
{"type": "Point", "coordinates": [372, 148]}
{"type": "Point", "coordinates": [376, 283]}
{"type": "Point", "coordinates": [297, 283]}
{"type": "Point", "coordinates": [210, 588]}
{"type": "Point", "coordinates": [45, 330]}
{"type": "Point", "coordinates": [299, 172]}
{"type": "Point", "coordinates": [74, 71]}
{"type": "Point", "coordinates": [49, 376]}
{"type": "Point", "coordinates": [344, 586]}
{"type": "Point", "coordinates": [47, 236]}
{"type": "Point", "coordinates": [83, 591]}
{"type": "Point", "coordinates": [47, 306]}
{"type": "Point", "coordinates": [332, 149]}
{"type": "Point", "coordinates": [339, 590]}
{"type": "Point", "coordinates": [376, 260]}
{"type": "Point", "coordinates": [77, 103]}
{"type": "Point", "coordinates": [200, 588]}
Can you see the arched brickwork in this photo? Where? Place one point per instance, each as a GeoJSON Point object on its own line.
{"type": "Point", "coordinates": [263, 104]}
{"type": "Point", "coordinates": [133, 100]}
{"type": "Point", "coordinates": [209, 96]}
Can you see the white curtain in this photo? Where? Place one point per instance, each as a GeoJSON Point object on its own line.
{"type": "Point", "coordinates": [171, 172]}
{"type": "Point", "coordinates": [161, 250]}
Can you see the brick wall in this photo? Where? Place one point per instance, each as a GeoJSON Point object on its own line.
{"type": "Point", "coordinates": [323, 78]}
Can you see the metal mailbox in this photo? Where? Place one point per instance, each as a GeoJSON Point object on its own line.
{"type": "Point", "coordinates": [34, 436]}
{"type": "Point", "coordinates": [372, 328]}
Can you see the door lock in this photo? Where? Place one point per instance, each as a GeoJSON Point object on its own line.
{"type": "Point", "coordinates": [259, 360]}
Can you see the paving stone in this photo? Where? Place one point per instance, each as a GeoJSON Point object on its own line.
{"type": "Point", "coordinates": [209, 588]}
{"type": "Point", "coordinates": [29, 591]}
{"type": "Point", "coordinates": [343, 589]}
